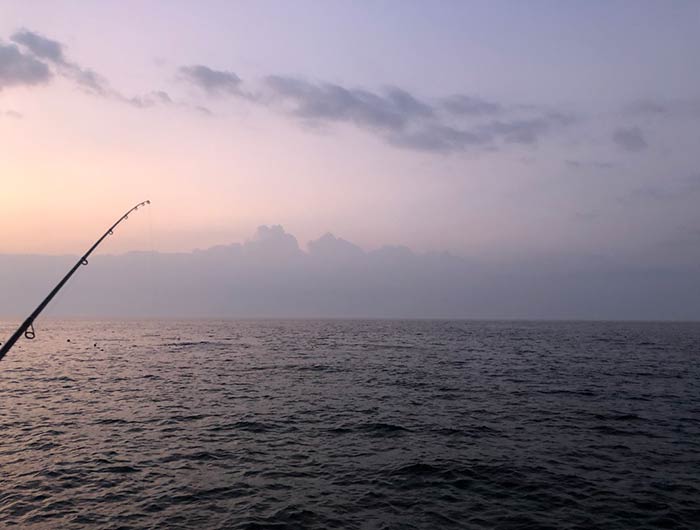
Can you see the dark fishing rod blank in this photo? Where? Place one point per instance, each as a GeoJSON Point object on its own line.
{"type": "Point", "coordinates": [27, 327]}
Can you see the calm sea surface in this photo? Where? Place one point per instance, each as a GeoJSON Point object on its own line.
{"type": "Point", "coordinates": [351, 424]}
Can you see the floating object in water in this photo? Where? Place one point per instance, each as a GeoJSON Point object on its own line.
{"type": "Point", "coordinates": [27, 327]}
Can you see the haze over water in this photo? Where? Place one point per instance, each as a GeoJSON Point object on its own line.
{"type": "Point", "coordinates": [351, 424]}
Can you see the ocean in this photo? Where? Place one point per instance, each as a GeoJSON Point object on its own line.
{"type": "Point", "coordinates": [350, 424]}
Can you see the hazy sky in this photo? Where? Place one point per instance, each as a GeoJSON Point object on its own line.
{"type": "Point", "coordinates": [489, 129]}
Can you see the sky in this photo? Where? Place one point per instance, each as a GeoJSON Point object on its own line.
{"type": "Point", "coordinates": [506, 132]}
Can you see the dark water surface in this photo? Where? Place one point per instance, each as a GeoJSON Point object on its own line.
{"type": "Point", "coordinates": [351, 424]}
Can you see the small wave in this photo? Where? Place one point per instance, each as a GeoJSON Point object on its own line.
{"type": "Point", "coordinates": [373, 429]}
{"type": "Point", "coordinates": [245, 426]}
{"type": "Point", "coordinates": [618, 417]}
{"type": "Point", "coordinates": [111, 421]}
{"type": "Point", "coordinates": [118, 469]}
{"type": "Point", "coordinates": [382, 428]}
{"type": "Point", "coordinates": [318, 368]}
{"type": "Point", "coordinates": [417, 470]}
{"type": "Point", "coordinates": [613, 431]}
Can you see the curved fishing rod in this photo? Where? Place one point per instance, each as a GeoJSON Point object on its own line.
{"type": "Point", "coordinates": [27, 327]}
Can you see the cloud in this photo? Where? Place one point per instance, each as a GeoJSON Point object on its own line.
{"type": "Point", "coordinates": [272, 243]}
{"type": "Point", "coordinates": [586, 216]}
{"type": "Point", "coordinates": [406, 121]}
{"type": "Point", "coordinates": [441, 138]}
{"type": "Point", "coordinates": [518, 131]}
{"type": "Point", "coordinates": [43, 51]}
{"type": "Point", "coordinates": [684, 188]}
{"type": "Point", "coordinates": [18, 69]}
{"type": "Point", "coordinates": [269, 276]}
{"type": "Point", "coordinates": [651, 193]}
{"type": "Point", "coordinates": [664, 108]}
{"type": "Point", "coordinates": [408, 104]}
{"type": "Point", "coordinates": [149, 100]}
{"type": "Point", "coordinates": [329, 247]}
{"type": "Point", "coordinates": [630, 139]}
{"type": "Point", "coordinates": [329, 102]}
{"type": "Point", "coordinates": [452, 124]}
{"type": "Point", "coordinates": [53, 51]}
{"type": "Point", "coordinates": [12, 114]}
{"type": "Point", "coordinates": [215, 82]}
{"type": "Point", "coordinates": [40, 46]}
{"type": "Point", "coordinates": [591, 164]}
{"type": "Point", "coordinates": [460, 104]}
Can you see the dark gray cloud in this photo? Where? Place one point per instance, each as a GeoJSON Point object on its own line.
{"type": "Point", "coordinates": [40, 46]}
{"type": "Point", "coordinates": [53, 51]}
{"type": "Point", "coordinates": [91, 81]}
{"type": "Point", "coordinates": [210, 80]}
{"type": "Point", "coordinates": [460, 104]}
{"type": "Point", "coordinates": [397, 116]}
{"type": "Point", "coordinates": [42, 51]}
{"type": "Point", "coordinates": [689, 108]}
{"type": "Point", "coordinates": [647, 108]}
{"type": "Point", "coordinates": [405, 121]}
{"type": "Point", "coordinates": [630, 139]}
{"type": "Point", "coordinates": [651, 193]}
{"type": "Point", "coordinates": [440, 138]}
{"type": "Point", "coordinates": [589, 164]}
{"type": "Point", "coordinates": [451, 124]}
{"type": "Point", "coordinates": [159, 97]}
{"type": "Point", "coordinates": [17, 68]}
{"type": "Point", "coordinates": [518, 131]}
{"type": "Point", "coordinates": [686, 188]}
{"type": "Point", "coordinates": [408, 104]}
{"type": "Point", "coordinates": [526, 130]}
{"type": "Point", "coordinates": [586, 216]}
{"type": "Point", "coordinates": [330, 102]}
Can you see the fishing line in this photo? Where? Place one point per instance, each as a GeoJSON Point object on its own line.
{"type": "Point", "coordinates": [151, 263]}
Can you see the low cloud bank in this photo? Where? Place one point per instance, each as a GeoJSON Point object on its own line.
{"type": "Point", "coordinates": [270, 276]}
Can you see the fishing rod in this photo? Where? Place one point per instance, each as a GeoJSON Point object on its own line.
{"type": "Point", "coordinates": [27, 327]}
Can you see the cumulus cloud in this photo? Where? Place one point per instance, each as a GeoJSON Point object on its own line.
{"type": "Point", "coordinates": [17, 68]}
{"type": "Point", "coordinates": [329, 247]}
{"type": "Point", "coordinates": [272, 243]}
{"type": "Point", "coordinates": [630, 139]}
{"type": "Point", "coordinates": [269, 276]}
